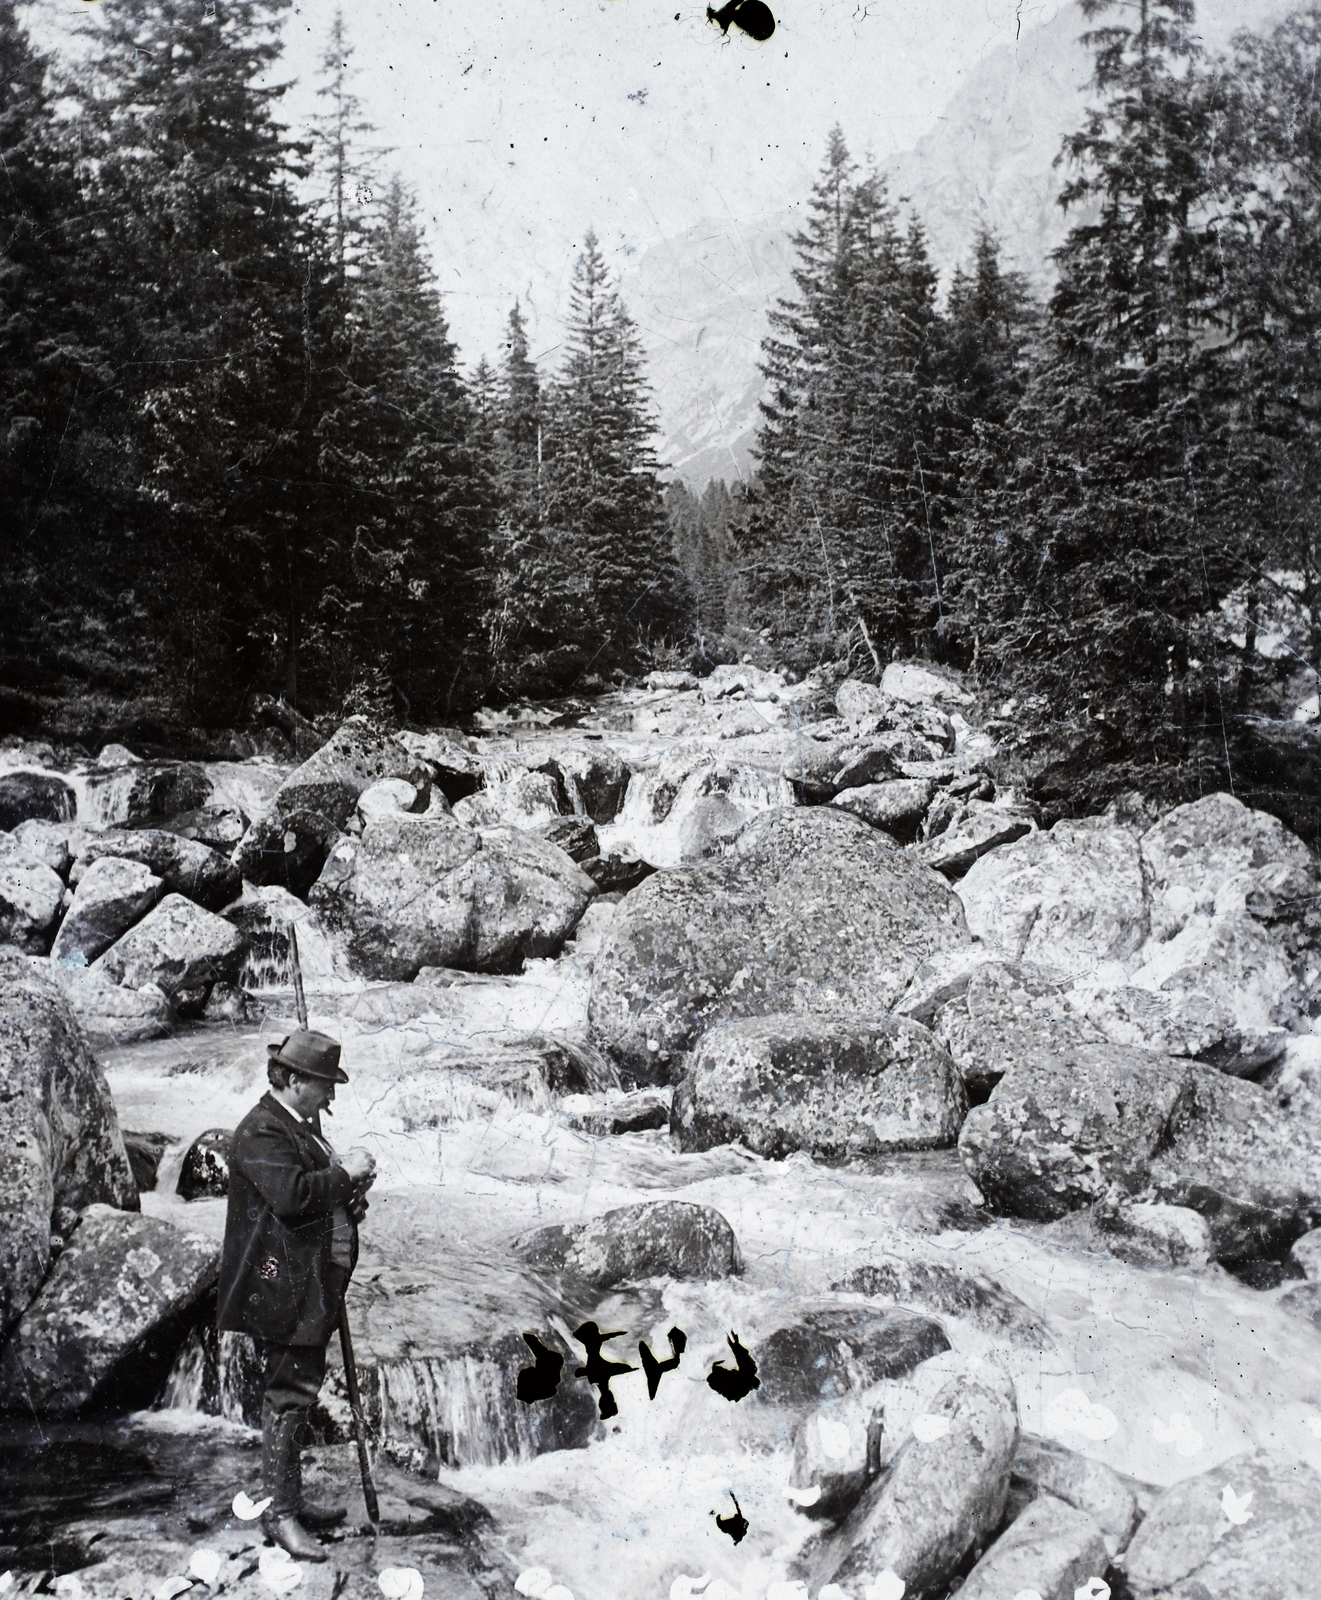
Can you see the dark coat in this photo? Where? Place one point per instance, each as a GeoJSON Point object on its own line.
{"type": "Point", "coordinates": [277, 1280]}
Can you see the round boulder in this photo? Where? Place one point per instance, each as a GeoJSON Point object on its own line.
{"type": "Point", "coordinates": [657, 1239]}
{"type": "Point", "coordinates": [25, 795]}
{"type": "Point", "coordinates": [833, 1088]}
{"type": "Point", "coordinates": [205, 1171]}
{"type": "Point", "coordinates": [811, 911]}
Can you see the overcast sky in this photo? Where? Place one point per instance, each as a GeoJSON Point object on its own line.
{"type": "Point", "coordinates": [522, 124]}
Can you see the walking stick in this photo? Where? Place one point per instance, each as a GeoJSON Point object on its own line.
{"type": "Point", "coordinates": [345, 1337]}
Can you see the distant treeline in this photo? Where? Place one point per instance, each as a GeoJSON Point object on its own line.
{"type": "Point", "coordinates": [237, 453]}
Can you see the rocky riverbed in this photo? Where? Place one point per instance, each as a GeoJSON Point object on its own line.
{"type": "Point", "coordinates": [737, 1007]}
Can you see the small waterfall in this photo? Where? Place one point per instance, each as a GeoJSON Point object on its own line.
{"type": "Point", "coordinates": [452, 1411]}
{"type": "Point", "coordinates": [218, 1374]}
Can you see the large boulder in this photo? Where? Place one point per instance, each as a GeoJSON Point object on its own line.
{"type": "Point", "coordinates": [825, 1354]}
{"type": "Point", "coordinates": [178, 946]}
{"type": "Point", "coordinates": [817, 768]}
{"type": "Point", "coordinates": [811, 911]}
{"type": "Point", "coordinates": [1009, 1010]}
{"type": "Point", "coordinates": [942, 1499]}
{"type": "Point", "coordinates": [921, 684]}
{"type": "Point", "coordinates": [314, 804]}
{"type": "Point", "coordinates": [1198, 851]}
{"type": "Point", "coordinates": [837, 1453]}
{"type": "Point", "coordinates": [1070, 898]}
{"type": "Point", "coordinates": [106, 1324]}
{"type": "Point", "coordinates": [1244, 1159]}
{"type": "Point", "coordinates": [329, 783]}
{"type": "Point", "coordinates": [656, 1239]}
{"type": "Point", "coordinates": [31, 895]}
{"type": "Point", "coordinates": [183, 865]}
{"type": "Point", "coordinates": [1061, 1127]}
{"type": "Point", "coordinates": [947, 1289]}
{"type": "Point", "coordinates": [54, 843]}
{"type": "Point", "coordinates": [414, 892]}
{"type": "Point", "coordinates": [1051, 1550]}
{"type": "Point", "coordinates": [42, 795]}
{"type": "Point", "coordinates": [112, 895]}
{"type": "Point", "coordinates": [60, 1143]}
{"type": "Point", "coordinates": [833, 1088]}
{"type": "Point", "coordinates": [526, 801]}
{"type": "Point", "coordinates": [106, 1012]}
{"type": "Point", "coordinates": [1189, 1548]}
{"type": "Point", "coordinates": [897, 805]}
{"type": "Point", "coordinates": [1231, 977]}
{"type": "Point", "coordinates": [1044, 1467]}
{"type": "Point", "coordinates": [219, 828]}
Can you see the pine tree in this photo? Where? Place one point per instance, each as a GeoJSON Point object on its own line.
{"type": "Point", "coordinates": [211, 288]}
{"type": "Point", "coordinates": [342, 165]}
{"type": "Point", "coordinates": [50, 370]}
{"type": "Point", "coordinates": [1111, 535]}
{"type": "Point", "coordinates": [420, 501]}
{"type": "Point", "coordinates": [602, 580]}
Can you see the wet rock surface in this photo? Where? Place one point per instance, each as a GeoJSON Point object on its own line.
{"type": "Point", "coordinates": [782, 1083]}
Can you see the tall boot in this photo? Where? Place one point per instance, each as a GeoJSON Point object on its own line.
{"type": "Point", "coordinates": [282, 1480]}
{"type": "Point", "coordinates": [315, 1513]}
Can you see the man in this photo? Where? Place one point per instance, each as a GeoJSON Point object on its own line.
{"type": "Point", "coordinates": [291, 1243]}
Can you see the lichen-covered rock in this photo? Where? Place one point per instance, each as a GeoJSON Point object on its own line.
{"type": "Point", "coordinates": [107, 1321]}
{"type": "Point", "coordinates": [831, 1088]}
{"type": "Point", "coordinates": [1070, 898]}
{"type": "Point", "coordinates": [897, 805]}
{"type": "Point", "coordinates": [811, 911]}
{"type": "Point", "coordinates": [183, 865]}
{"type": "Point", "coordinates": [111, 896]}
{"type": "Point", "coordinates": [31, 895]}
{"type": "Point", "coordinates": [942, 1498]}
{"type": "Point", "coordinates": [657, 1239]}
{"type": "Point", "coordinates": [526, 801]}
{"type": "Point", "coordinates": [859, 702]}
{"type": "Point", "coordinates": [178, 947]}
{"type": "Point", "coordinates": [1189, 1549]}
{"type": "Point", "coordinates": [55, 843]}
{"type": "Point", "coordinates": [974, 829]}
{"type": "Point", "coordinates": [1052, 1549]}
{"type": "Point", "coordinates": [1147, 1233]}
{"type": "Point", "coordinates": [329, 783]}
{"type": "Point", "coordinates": [1008, 1011]}
{"type": "Point", "coordinates": [948, 1289]}
{"type": "Point", "coordinates": [1197, 851]}
{"type": "Point", "coordinates": [219, 828]}
{"type": "Point", "coordinates": [1061, 1127]}
{"type": "Point", "coordinates": [838, 1350]}
{"type": "Point", "coordinates": [1306, 1253]}
{"type": "Point", "coordinates": [105, 1011]}
{"type": "Point", "coordinates": [60, 1143]}
{"type": "Point", "coordinates": [26, 795]}
{"type": "Point", "coordinates": [576, 836]}
{"type": "Point", "coordinates": [414, 892]}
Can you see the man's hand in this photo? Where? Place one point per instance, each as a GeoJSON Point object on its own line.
{"type": "Point", "coordinates": [360, 1166]}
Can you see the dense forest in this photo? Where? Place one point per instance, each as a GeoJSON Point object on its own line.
{"type": "Point", "coordinates": [238, 453]}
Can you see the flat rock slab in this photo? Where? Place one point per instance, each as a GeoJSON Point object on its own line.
{"type": "Point", "coordinates": [105, 1324]}
{"type": "Point", "coordinates": [1247, 1527]}
{"type": "Point", "coordinates": [831, 1088]}
{"type": "Point", "coordinates": [812, 911]}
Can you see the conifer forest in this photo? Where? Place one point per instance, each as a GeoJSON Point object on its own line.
{"type": "Point", "coordinates": [240, 453]}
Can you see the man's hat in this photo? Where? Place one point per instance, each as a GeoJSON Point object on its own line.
{"type": "Point", "coordinates": [313, 1054]}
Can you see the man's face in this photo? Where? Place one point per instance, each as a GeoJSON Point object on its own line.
{"type": "Point", "coordinates": [310, 1095]}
